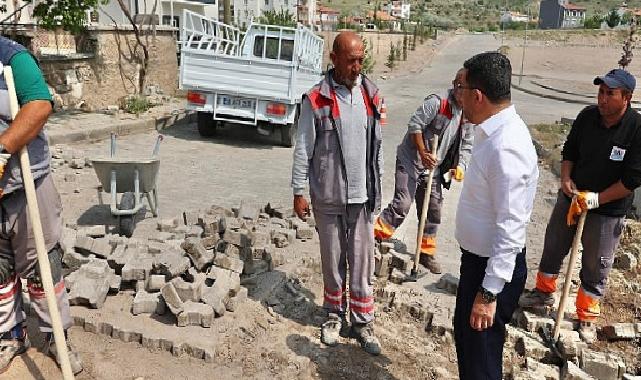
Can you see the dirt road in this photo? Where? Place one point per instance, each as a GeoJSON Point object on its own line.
{"type": "Point", "coordinates": [261, 342]}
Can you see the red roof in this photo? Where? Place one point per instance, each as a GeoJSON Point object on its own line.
{"type": "Point", "coordinates": [327, 10]}
{"type": "Point", "coordinates": [381, 15]}
{"type": "Point", "coordinates": [574, 7]}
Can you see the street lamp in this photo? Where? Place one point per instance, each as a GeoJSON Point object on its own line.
{"type": "Point", "coordinates": [524, 42]}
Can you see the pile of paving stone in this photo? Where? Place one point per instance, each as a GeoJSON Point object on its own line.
{"type": "Point", "coordinates": [576, 359]}
{"type": "Point", "coordinates": [191, 265]}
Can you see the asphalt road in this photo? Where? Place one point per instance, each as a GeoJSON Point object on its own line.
{"type": "Point", "coordinates": [241, 165]}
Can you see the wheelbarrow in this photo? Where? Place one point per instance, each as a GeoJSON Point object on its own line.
{"type": "Point", "coordinates": [133, 178]}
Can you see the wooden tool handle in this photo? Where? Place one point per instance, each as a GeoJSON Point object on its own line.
{"type": "Point", "coordinates": [426, 202]}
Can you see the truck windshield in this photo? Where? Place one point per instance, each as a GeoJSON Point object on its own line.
{"type": "Point", "coordinates": [286, 51]}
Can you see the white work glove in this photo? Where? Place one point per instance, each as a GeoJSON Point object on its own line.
{"type": "Point", "coordinates": [587, 200]}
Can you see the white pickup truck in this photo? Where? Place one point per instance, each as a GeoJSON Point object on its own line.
{"type": "Point", "coordinates": [256, 77]}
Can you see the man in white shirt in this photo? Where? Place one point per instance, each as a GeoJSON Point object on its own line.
{"type": "Point", "coordinates": [493, 212]}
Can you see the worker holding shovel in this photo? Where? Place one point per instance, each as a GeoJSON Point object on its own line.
{"type": "Point", "coordinates": [600, 170]}
{"type": "Point", "coordinates": [19, 238]}
{"type": "Point", "coordinates": [438, 116]}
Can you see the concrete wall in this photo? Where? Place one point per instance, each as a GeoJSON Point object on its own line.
{"type": "Point", "coordinates": [112, 10]}
{"type": "Point", "coordinates": [550, 14]}
{"type": "Point", "coordinates": [24, 16]}
{"type": "Point", "coordinates": [103, 76]}
{"type": "Point", "coordinates": [207, 10]}
{"type": "Point", "coordinates": [244, 10]}
{"type": "Point", "coordinates": [573, 19]}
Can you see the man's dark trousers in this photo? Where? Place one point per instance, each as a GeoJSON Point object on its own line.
{"type": "Point", "coordinates": [480, 354]}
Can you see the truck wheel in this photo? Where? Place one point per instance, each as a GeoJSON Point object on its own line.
{"type": "Point", "coordinates": [127, 223]}
{"type": "Point", "coordinates": [288, 132]}
{"type": "Point", "coordinates": [288, 135]}
{"type": "Point", "coordinates": [206, 124]}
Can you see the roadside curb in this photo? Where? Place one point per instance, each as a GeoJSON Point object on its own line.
{"type": "Point", "coordinates": [122, 127]}
{"type": "Point", "coordinates": [548, 96]}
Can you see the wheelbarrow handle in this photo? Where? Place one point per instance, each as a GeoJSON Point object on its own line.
{"type": "Point", "coordinates": [113, 145]}
{"type": "Point", "coordinates": [154, 153]}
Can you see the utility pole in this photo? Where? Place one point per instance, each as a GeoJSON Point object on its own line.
{"type": "Point", "coordinates": [227, 12]}
{"type": "Point", "coordinates": [524, 43]}
{"type": "Point", "coordinates": [503, 24]}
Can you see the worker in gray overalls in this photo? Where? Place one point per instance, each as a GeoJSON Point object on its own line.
{"type": "Point", "coordinates": [441, 116]}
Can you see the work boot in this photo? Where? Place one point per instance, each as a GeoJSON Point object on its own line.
{"type": "Point", "coordinates": [364, 333]}
{"type": "Point", "coordinates": [429, 262]}
{"type": "Point", "coordinates": [12, 343]}
{"type": "Point", "coordinates": [74, 358]}
{"type": "Point", "coordinates": [536, 298]}
{"type": "Point", "coordinates": [331, 329]}
{"type": "Point", "coordinates": [587, 332]}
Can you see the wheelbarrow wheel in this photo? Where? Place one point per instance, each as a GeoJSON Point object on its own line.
{"type": "Point", "coordinates": [127, 222]}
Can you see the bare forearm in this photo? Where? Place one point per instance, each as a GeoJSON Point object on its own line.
{"type": "Point", "coordinates": [566, 169]}
{"type": "Point", "coordinates": [28, 123]}
{"type": "Point", "coordinates": [417, 138]}
{"type": "Point", "coordinates": [613, 193]}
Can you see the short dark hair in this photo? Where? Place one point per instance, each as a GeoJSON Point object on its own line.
{"type": "Point", "coordinates": [491, 73]}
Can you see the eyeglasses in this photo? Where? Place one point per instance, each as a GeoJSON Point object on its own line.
{"type": "Point", "coordinates": [458, 86]}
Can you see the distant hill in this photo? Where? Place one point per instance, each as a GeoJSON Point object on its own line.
{"type": "Point", "coordinates": [473, 14]}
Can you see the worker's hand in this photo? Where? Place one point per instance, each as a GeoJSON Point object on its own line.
{"type": "Point", "coordinates": [581, 202]}
{"type": "Point", "coordinates": [4, 158]}
{"type": "Point", "coordinates": [573, 212]}
{"type": "Point", "coordinates": [301, 207]}
{"type": "Point", "coordinates": [458, 174]}
{"type": "Point", "coordinates": [429, 160]}
{"type": "Point", "coordinates": [568, 187]}
{"type": "Point", "coordinates": [482, 316]}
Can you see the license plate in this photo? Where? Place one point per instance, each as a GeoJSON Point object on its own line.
{"type": "Point", "coordinates": [236, 102]}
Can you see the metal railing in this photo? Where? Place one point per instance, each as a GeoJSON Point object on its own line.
{"type": "Point", "coordinates": [202, 33]}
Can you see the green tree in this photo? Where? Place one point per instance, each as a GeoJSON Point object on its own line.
{"type": "Point", "coordinates": [283, 17]}
{"type": "Point", "coordinates": [368, 61]}
{"type": "Point", "coordinates": [612, 19]}
{"type": "Point", "coordinates": [391, 58]}
{"type": "Point", "coordinates": [626, 18]}
{"type": "Point", "coordinates": [405, 46]}
{"type": "Point", "coordinates": [414, 37]}
{"type": "Point", "coordinates": [398, 50]}
{"type": "Point", "coordinates": [69, 15]}
{"type": "Point", "coordinates": [593, 22]}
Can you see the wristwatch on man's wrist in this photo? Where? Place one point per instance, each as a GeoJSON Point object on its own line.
{"type": "Point", "coordinates": [486, 295]}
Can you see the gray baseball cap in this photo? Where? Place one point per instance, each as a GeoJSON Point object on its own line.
{"type": "Point", "coordinates": [617, 78]}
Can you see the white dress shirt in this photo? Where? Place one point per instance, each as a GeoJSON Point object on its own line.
{"type": "Point", "coordinates": [497, 196]}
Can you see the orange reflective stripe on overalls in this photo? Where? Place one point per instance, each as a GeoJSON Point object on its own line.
{"type": "Point", "coordinates": [428, 245]}
{"type": "Point", "coordinates": [545, 282]}
{"type": "Point", "coordinates": [587, 306]}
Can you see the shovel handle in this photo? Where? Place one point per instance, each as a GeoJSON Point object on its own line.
{"type": "Point", "coordinates": [426, 202]}
{"type": "Point", "coordinates": [574, 253]}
